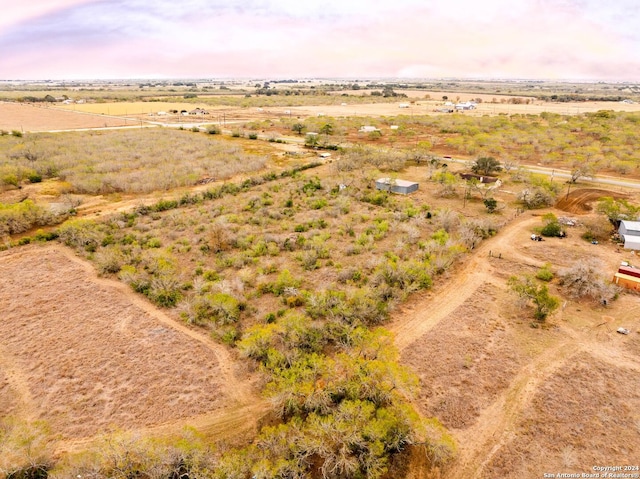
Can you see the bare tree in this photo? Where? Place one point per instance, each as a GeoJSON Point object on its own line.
{"type": "Point", "coordinates": [582, 170]}
{"type": "Point", "coordinates": [585, 280]}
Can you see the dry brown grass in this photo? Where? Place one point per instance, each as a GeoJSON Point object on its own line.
{"type": "Point", "coordinates": [90, 357]}
{"type": "Point", "coordinates": [138, 161]}
{"type": "Point", "coordinates": [29, 117]}
{"type": "Point", "coordinates": [585, 415]}
{"type": "Point", "coordinates": [524, 401]}
{"type": "Point", "coordinates": [472, 357]}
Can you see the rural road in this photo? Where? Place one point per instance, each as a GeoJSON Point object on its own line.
{"type": "Point", "coordinates": [552, 172]}
{"type": "Point", "coordinates": [565, 174]}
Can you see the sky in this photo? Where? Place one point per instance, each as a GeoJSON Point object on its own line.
{"type": "Point", "coordinates": [525, 39]}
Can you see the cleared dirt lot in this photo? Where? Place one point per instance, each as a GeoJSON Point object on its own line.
{"type": "Point", "coordinates": [29, 117]}
{"type": "Point", "coordinates": [78, 352]}
{"type": "Point", "coordinates": [523, 401]}
{"type": "Point", "coordinates": [584, 415]}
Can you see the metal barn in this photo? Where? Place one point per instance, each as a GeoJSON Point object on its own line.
{"type": "Point", "coordinates": [402, 187]}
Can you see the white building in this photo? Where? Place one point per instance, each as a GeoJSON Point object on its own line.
{"type": "Point", "coordinates": [467, 105]}
{"type": "Point", "coordinates": [630, 232]}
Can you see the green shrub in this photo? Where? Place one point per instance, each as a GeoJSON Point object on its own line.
{"type": "Point", "coordinates": [311, 186]}
{"type": "Point", "coordinates": [83, 234]}
{"type": "Point", "coordinates": [284, 281]}
{"type": "Point", "coordinates": [377, 198]}
{"type": "Point", "coordinates": [153, 243]}
{"type": "Point", "coordinates": [165, 290]}
{"type": "Point", "coordinates": [42, 235]}
{"type": "Point", "coordinates": [164, 205]}
{"type": "Point", "coordinates": [318, 204]}
{"type": "Point", "coordinates": [220, 308]}
{"type": "Point", "coordinates": [545, 273]}
{"type": "Point", "coordinates": [34, 177]}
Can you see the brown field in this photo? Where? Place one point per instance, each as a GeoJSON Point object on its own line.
{"type": "Point", "coordinates": [581, 201]}
{"type": "Point", "coordinates": [85, 354]}
{"type": "Point", "coordinates": [584, 415]}
{"type": "Point", "coordinates": [523, 401]}
{"type": "Point", "coordinates": [28, 117]}
{"type": "Point", "coordinates": [427, 107]}
{"type": "Point", "coordinates": [135, 107]}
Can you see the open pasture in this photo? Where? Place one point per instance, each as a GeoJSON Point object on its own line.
{"type": "Point", "coordinates": [133, 108]}
{"type": "Point", "coordinates": [428, 107]}
{"type": "Point", "coordinates": [31, 118]}
{"type": "Point", "coordinates": [84, 354]}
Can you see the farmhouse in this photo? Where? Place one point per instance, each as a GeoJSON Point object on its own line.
{"type": "Point", "coordinates": [467, 105]}
{"type": "Point", "coordinates": [630, 232]}
{"type": "Point", "coordinates": [402, 187]}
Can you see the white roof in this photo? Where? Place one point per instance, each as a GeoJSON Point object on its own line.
{"type": "Point", "coordinates": [389, 181]}
{"type": "Point", "coordinates": [631, 225]}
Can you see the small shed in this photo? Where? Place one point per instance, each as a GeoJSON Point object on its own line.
{"type": "Point", "coordinates": [627, 281]}
{"type": "Point", "coordinates": [467, 105]}
{"type": "Point", "coordinates": [629, 270]}
{"type": "Point", "coordinates": [480, 178]}
{"type": "Point", "coordinates": [402, 187]}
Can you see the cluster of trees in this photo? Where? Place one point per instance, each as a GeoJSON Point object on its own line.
{"type": "Point", "coordinates": [346, 412]}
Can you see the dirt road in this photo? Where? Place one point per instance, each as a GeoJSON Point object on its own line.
{"type": "Point", "coordinates": [464, 282]}
{"type": "Point", "coordinates": [499, 422]}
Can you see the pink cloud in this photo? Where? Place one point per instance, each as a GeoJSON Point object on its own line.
{"type": "Point", "coordinates": [15, 12]}
{"type": "Point", "coordinates": [523, 39]}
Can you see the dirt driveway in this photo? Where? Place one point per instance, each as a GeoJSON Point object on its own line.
{"type": "Point", "coordinates": [490, 377]}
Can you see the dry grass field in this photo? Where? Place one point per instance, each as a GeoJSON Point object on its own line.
{"type": "Point", "coordinates": [484, 372]}
{"type": "Point", "coordinates": [31, 118]}
{"type": "Point", "coordinates": [85, 354]}
{"type": "Point", "coordinates": [131, 108]}
{"type": "Point", "coordinates": [281, 267]}
{"type": "Point", "coordinates": [427, 107]}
